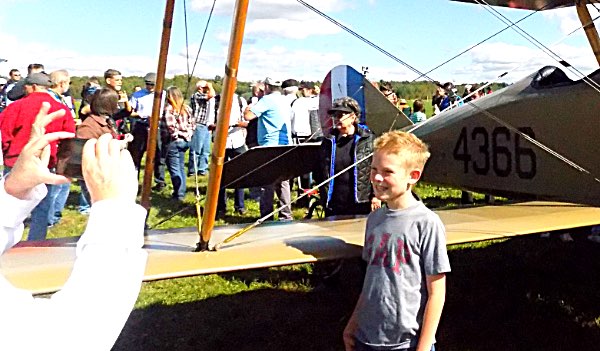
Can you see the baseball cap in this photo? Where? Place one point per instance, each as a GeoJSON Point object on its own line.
{"type": "Point", "coordinates": [341, 106]}
{"type": "Point", "coordinates": [150, 78]}
{"type": "Point", "coordinates": [403, 101]}
{"type": "Point", "coordinates": [38, 79]}
{"type": "Point", "coordinates": [289, 83]}
{"type": "Point", "coordinates": [273, 82]}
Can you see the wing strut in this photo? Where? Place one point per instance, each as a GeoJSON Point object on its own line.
{"type": "Point", "coordinates": [589, 27]}
{"type": "Point", "coordinates": [218, 151]}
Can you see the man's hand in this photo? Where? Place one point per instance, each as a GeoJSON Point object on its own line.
{"type": "Point", "coordinates": [31, 168]}
{"type": "Point", "coordinates": [108, 169]}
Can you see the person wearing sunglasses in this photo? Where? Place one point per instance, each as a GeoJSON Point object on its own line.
{"type": "Point", "coordinates": [350, 192]}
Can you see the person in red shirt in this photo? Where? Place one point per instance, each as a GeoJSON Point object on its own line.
{"type": "Point", "coordinates": [16, 123]}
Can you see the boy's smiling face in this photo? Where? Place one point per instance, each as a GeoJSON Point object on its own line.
{"type": "Point", "coordinates": [392, 180]}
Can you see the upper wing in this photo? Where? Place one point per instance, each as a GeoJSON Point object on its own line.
{"type": "Point", "coordinates": [530, 4]}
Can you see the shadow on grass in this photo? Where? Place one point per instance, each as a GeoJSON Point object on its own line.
{"type": "Point", "coordinates": [521, 294]}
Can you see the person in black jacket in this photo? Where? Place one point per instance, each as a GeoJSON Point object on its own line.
{"type": "Point", "coordinates": [349, 193]}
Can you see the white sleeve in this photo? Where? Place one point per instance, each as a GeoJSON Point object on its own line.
{"type": "Point", "coordinates": [211, 118]}
{"type": "Point", "coordinates": [14, 212]}
{"type": "Point", "coordinates": [95, 302]}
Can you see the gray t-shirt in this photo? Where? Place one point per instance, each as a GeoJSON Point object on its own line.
{"type": "Point", "coordinates": [401, 248]}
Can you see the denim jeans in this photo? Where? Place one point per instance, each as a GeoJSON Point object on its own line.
{"type": "Point", "coordinates": [61, 193]}
{"type": "Point", "coordinates": [84, 198]}
{"type": "Point", "coordinates": [199, 150]}
{"type": "Point", "coordinates": [238, 200]}
{"type": "Point", "coordinates": [176, 166]}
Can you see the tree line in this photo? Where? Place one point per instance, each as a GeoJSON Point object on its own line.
{"type": "Point", "coordinates": [405, 89]}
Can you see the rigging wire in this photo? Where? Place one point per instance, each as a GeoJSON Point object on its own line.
{"type": "Point", "coordinates": [477, 44]}
{"type": "Point", "coordinates": [539, 45]}
{"type": "Point", "coordinates": [187, 53]}
{"type": "Point", "coordinates": [360, 37]}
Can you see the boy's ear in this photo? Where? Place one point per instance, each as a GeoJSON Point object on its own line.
{"type": "Point", "coordinates": [414, 175]}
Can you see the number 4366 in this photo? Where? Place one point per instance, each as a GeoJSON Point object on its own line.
{"type": "Point", "coordinates": [500, 151]}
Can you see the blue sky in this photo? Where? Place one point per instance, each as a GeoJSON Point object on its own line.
{"type": "Point", "coordinates": [284, 39]}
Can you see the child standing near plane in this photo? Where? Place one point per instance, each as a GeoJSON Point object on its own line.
{"type": "Point", "coordinates": [405, 249]}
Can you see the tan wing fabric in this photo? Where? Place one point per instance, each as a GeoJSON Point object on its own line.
{"type": "Point", "coordinates": [43, 267]}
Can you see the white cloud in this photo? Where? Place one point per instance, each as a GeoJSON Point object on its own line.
{"type": "Point", "coordinates": [566, 17]}
{"type": "Point", "coordinates": [276, 18]}
{"type": "Point", "coordinates": [489, 60]}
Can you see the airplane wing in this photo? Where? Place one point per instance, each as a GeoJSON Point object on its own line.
{"type": "Point", "coordinates": [263, 165]}
{"type": "Point", "coordinates": [530, 4]}
{"type": "Point", "coordinates": [43, 267]}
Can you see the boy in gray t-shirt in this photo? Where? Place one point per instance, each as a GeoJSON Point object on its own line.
{"type": "Point", "coordinates": [403, 295]}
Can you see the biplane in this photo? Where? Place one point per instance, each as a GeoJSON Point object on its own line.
{"type": "Point", "coordinates": [522, 141]}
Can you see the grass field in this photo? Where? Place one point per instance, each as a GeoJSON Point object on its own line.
{"type": "Point", "coordinates": [520, 294]}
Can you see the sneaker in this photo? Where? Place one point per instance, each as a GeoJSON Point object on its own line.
{"type": "Point", "coordinates": [566, 238]}
{"type": "Point", "coordinates": [241, 211]}
{"type": "Point", "coordinates": [158, 187]}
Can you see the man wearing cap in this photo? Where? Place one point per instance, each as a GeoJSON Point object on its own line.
{"type": "Point", "coordinates": [15, 125]}
{"type": "Point", "coordinates": [273, 112]}
{"type": "Point", "coordinates": [290, 89]}
{"type": "Point", "coordinates": [141, 104]}
{"type": "Point", "coordinates": [203, 110]}
{"type": "Point", "coordinates": [349, 193]}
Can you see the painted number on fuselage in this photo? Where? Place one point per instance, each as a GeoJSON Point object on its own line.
{"type": "Point", "coordinates": [500, 151]}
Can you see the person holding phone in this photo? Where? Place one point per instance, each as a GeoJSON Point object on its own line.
{"type": "Point", "coordinates": [103, 105]}
{"type": "Point", "coordinates": [95, 302]}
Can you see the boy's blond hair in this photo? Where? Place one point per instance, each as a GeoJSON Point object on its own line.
{"type": "Point", "coordinates": [412, 150]}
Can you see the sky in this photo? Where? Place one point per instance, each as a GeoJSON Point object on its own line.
{"type": "Point", "coordinates": [284, 39]}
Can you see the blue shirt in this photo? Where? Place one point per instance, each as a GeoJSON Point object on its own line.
{"type": "Point", "coordinates": [273, 112]}
{"type": "Point", "coordinates": [142, 101]}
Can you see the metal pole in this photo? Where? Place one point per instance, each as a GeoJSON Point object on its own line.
{"type": "Point", "coordinates": [218, 151]}
{"type": "Point", "coordinates": [589, 27]}
{"type": "Point", "coordinates": [156, 112]}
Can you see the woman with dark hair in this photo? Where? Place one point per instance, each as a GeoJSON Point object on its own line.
{"type": "Point", "coordinates": [177, 118]}
{"type": "Point", "coordinates": [349, 193]}
{"type": "Point", "coordinates": [103, 104]}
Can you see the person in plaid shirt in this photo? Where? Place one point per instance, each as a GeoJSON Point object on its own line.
{"type": "Point", "coordinates": [178, 120]}
{"type": "Point", "coordinates": [203, 110]}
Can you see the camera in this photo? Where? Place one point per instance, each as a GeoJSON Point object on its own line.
{"type": "Point", "coordinates": [69, 158]}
